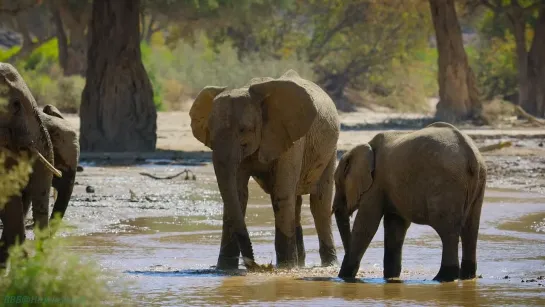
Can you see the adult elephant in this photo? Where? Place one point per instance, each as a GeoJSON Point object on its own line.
{"type": "Point", "coordinates": [434, 176]}
{"type": "Point", "coordinates": [22, 129]}
{"type": "Point", "coordinates": [66, 151]}
{"type": "Point", "coordinates": [282, 132]}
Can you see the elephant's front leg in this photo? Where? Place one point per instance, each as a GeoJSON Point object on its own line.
{"type": "Point", "coordinates": [285, 240]}
{"type": "Point", "coordinates": [365, 226]}
{"type": "Point", "coordinates": [395, 229]}
{"type": "Point", "coordinates": [320, 206]}
{"type": "Point", "coordinates": [40, 187]}
{"type": "Point", "coordinates": [301, 254]}
{"type": "Point", "coordinates": [14, 226]}
{"type": "Point", "coordinates": [229, 249]}
{"type": "Point", "coordinates": [285, 179]}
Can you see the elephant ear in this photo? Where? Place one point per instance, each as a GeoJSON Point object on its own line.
{"type": "Point", "coordinates": [358, 174]}
{"type": "Point", "coordinates": [200, 112]}
{"type": "Point", "coordinates": [288, 110]}
{"type": "Point", "coordinates": [52, 110]}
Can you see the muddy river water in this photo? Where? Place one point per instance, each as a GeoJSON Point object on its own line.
{"type": "Point", "coordinates": [163, 237]}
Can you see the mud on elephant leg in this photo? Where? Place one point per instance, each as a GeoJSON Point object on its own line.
{"type": "Point", "coordinates": [450, 264]}
{"type": "Point", "coordinates": [469, 236]}
{"type": "Point", "coordinates": [321, 205]}
{"type": "Point", "coordinates": [229, 250]}
{"type": "Point", "coordinates": [301, 254]}
{"type": "Point", "coordinates": [395, 229]}
{"type": "Point", "coordinates": [285, 239]}
{"type": "Point", "coordinates": [365, 227]}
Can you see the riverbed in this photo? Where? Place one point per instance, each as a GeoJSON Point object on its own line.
{"type": "Point", "coordinates": [163, 236]}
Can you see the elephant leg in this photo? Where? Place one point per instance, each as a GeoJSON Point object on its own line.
{"type": "Point", "coordinates": [285, 240]}
{"type": "Point", "coordinates": [395, 229]}
{"type": "Point", "coordinates": [469, 235]}
{"type": "Point", "coordinates": [27, 199]}
{"type": "Point", "coordinates": [14, 227]}
{"type": "Point", "coordinates": [450, 265]}
{"type": "Point", "coordinates": [40, 187]}
{"type": "Point", "coordinates": [365, 227]}
{"type": "Point", "coordinates": [321, 201]}
{"type": "Point", "coordinates": [301, 255]}
{"type": "Point", "coordinates": [64, 187]}
{"type": "Point", "coordinates": [229, 249]}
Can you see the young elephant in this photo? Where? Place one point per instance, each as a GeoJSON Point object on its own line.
{"type": "Point", "coordinates": [283, 132]}
{"type": "Point", "coordinates": [434, 176]}
{"type": "Point", "coordinates": [66, 151]}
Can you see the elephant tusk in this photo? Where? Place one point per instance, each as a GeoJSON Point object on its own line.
{"type": "Point", "coordinates": [50, 167]}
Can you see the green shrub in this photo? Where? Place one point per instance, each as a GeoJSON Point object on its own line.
{"type": "Point", "coordinates": [42, 272]}
{"type": "Point", "coordinates": [12, 181]}
{"type": "Point", "coordinates": [5, 54]}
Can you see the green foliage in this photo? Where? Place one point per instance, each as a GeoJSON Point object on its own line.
{"type": "Point", "coordinates": [150, 69]}
{"type": "Point", "coordinates": [5, 54]}
{"type": "Point", "coordinates": [43, 272]}
{"type": "Point", "coordinates": [183, 71]}
{"type": "Point", "coordinates": [43, 57]}
{"type": "Point", "coordinates": [494, 61]}
{"type": "Point", "coordinates": [13, 181]}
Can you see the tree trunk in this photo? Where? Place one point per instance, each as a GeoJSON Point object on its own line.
{"type": "Point", "coordinates": [62, 40]}
{"type": "Point", "coordinates": [117, 111]}
{"type": "Point", "coordinates": [534, 102]}
{"type": "Point", "coordinates": [518, 24]}
{"type": "Point", "coordinates": [458, 93]}
{"type": "Point", "coordinates": [71, 24]}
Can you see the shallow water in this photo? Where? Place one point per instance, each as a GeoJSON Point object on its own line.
{"type": "Point", "coordinates": [165, 238]}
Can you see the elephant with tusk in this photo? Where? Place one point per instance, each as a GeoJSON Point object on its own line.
{"type": "Point", "coordinates": [22, 129]}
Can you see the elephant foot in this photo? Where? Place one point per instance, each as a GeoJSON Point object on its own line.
{"type": "Point", "coordinates": [227, 263]}
{"type": "Point", "coordinates": [348, 271]}
{"type": "Point", "coordinates": [468, 269]}
{"type": "Point", "coordinates": [447, 273]}
{"type": "Point", "coordinates": [286, 250]}
{"type": "Point", "coordinates": [391, 272]}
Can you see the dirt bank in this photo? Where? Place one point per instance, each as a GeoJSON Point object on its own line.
{"type": "Point", "coordinates": [521, 166]}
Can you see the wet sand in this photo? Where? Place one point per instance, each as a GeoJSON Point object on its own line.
{"type": "Point", "coordinates": [166, 239]}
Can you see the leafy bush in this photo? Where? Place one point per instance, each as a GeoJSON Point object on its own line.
{"type": "Point", "coordinates": [12, 181]}
{"type": "Point", "coordinates": [41, 271]}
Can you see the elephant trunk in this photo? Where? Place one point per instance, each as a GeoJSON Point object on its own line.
{"type": "Point", "coordinates": [342, 218]}
{"type": "Point", "coordinates": [226, 168]}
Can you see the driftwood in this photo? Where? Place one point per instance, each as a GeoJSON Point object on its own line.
{"type": "Point", "coordinates": [499, 145]}
{"type": "Point", "coordinates": [186, 171]}
{"type": "Point", "coordinates": [529, 117]}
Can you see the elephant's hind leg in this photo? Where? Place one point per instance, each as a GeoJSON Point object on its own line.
{"type": "Point", "coordinates": [321, 201]}
{"type": "Point", "coordinates": [301, 255]}
{"type": "Point", "coordinates": [395, 229]}
{"type": "Point", "coordinates": [450, 264]}
{"type": "Point", "coordinates": [469, 235]}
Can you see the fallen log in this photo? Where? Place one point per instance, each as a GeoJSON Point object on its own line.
{"type": "Point", "coordinates": [498, 145]}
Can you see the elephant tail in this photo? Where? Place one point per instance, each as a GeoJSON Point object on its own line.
{"type": "Point", "coordinates": [475, 174]}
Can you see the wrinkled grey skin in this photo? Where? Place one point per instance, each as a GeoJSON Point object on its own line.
{"type": "Point", "coordinates": [66, 150]}
{"type": "Point", "coordinates": [434, 176]}
{"type": "Point", "coordinates": [282, 132]}
{"type": "Point", "coordinates": [22, 129]}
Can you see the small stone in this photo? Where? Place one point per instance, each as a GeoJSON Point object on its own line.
{"type": "Point", "coordinates": [540, 144]}
{"type": "Point", "coordinates": [506, 277]}
{"type": "Point", "coordinates": [79, 168]}
{"type": "Point", "coordinates": [90, 189]}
